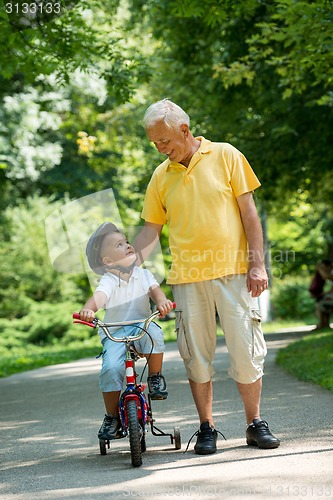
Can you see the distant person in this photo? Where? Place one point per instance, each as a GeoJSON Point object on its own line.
{"type": "Point", "coordinates": [124, 290]}
{"type": "Point", "coordinates": [203, 191]}
{"type": "Point", "coordinates": [324, 300]}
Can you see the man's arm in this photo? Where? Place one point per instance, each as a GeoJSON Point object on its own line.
{"type": "Point", "coordinates": [146, 240]}
{"type": "Point", "coordinates": [257, 279]}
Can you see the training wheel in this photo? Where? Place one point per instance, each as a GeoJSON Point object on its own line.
{"type": "Point", "coordinates": [102, 446]}
{"type": "Point", "coordinates": [176, 436]}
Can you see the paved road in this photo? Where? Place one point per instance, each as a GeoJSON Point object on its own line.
{"type": "Point", "coordinates": [49, 450]}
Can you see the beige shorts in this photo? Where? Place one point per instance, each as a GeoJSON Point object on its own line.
{"type": "Point", "coordinates": [197, 304]}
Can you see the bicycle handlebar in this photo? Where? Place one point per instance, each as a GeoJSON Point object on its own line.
{"type": "Point", "coordinates": [97, 322]}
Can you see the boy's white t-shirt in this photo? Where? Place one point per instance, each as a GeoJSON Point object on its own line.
{"type": "Point", "coordinates": [126, 301]}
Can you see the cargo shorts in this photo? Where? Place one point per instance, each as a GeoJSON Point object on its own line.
{"type": "Point", "coordinates": [238, 311]}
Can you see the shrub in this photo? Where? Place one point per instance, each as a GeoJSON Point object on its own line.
{"type": "Point", "coordinates": [25, 265]}
{"type": "Point", "coordinates": [290, 299]}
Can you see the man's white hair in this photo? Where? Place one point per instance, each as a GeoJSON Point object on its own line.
{"type": "Point", "coordinates": [168, 112]}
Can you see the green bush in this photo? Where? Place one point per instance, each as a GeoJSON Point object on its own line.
{"type": "Point", "coordinates": [25, 265]}
{"type": "Point", "coordinates": [46, 324]}
{"type": "Point", "coordinates": [290, 299]}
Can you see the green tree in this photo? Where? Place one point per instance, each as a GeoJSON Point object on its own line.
{"type": "Point", "coordinates": [83, 35]}
{"type": "Point", "coordinates": [25, 265]}
{"type": "Point", "coordinates": [258, 75]}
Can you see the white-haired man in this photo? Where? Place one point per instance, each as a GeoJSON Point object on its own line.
{"type": "Point", "coordinates": [203, 191]}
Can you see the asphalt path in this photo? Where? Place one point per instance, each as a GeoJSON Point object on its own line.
{"type": "Point", "coordinates": [49, 449]}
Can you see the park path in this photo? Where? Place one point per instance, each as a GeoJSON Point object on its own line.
{"type": "Point", "coordinates": [49, 450]}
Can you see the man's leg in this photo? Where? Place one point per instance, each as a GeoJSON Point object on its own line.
{"type": "Point", "coordinates": [196, 338]}
{"type": "Point", "coordinates": [250, 394]}
{"type": "Point", "coordinates": [257, 432]}
{"type": "Point", "coordinates": [203, 399]}
{"type": "Point", "coordinates": [245, 342]}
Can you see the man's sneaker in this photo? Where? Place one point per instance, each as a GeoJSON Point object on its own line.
{"type": "Point", "coordinates": [110, 428]}
{"type": "Point", "coordinates": [157, 387]}
{"type": "Point", "coordinates": [206, 440]}
{"type": "Point", "coordinates": [258, 434]}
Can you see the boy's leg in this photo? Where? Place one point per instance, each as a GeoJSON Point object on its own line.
{"type": "Point", "coordinates": [110, 382]}
{"type": "Point", "coordinates": [110, 428]}
{"type": "Point", "coordinates": [156, 382]}
{"type": "Point", "coordinates": [155, 362]}
{"type": "Point", "coordinates": [111, 402]}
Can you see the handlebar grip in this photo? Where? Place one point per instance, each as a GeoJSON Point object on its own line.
{"type": "Point", "coordinates": [78, 320]}
{"type": "Point", "coordinates": [174, 305]}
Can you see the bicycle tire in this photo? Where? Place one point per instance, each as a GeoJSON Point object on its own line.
{"type": "Point", "coordinates": [134, 433]}
{"type": "Point", "coordinates": [143, 442]}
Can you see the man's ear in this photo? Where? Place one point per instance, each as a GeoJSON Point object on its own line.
{"type": "Point", "coordinates": [184, 128]}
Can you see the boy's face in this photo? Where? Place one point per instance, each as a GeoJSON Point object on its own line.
{"type": "Point", "coordinates": [115, 250]}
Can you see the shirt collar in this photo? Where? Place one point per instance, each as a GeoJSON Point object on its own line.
{"type": "Point", "coordinates": [135, 275]}
{"type": "Point", "coordinates": [205, 147]}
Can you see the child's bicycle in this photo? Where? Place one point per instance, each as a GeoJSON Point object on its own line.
{"type": "Point", "coordinates": [135, 411]}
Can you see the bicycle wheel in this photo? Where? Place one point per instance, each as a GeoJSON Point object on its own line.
{"type": "Point", "coordinates": [143, 442]}
{"type": "Point", "coordinates": [134, 433]}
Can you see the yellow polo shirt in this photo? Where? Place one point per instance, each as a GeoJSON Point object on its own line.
{"type": "Point", "coordinates": [206, 234]}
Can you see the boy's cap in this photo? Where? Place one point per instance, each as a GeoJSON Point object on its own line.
{"type": "Point", "coordinates": [94, 246]}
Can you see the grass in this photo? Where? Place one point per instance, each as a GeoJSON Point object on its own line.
{"type": "Point", "coordinates": [33, 357]}
{"type": "Point", "coordinates": [28, 357]}
{"type": "Point", "coordinates": [309, 359]}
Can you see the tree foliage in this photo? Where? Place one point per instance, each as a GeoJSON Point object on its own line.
{"type": "Point", "coordinates": [25, 264]}
{"type": "Point", "coordinates": [257, 74]}
{"type": "Point", "coordinates": [74, 88]}
{"type": "Point", "coordinates": [85, 36]}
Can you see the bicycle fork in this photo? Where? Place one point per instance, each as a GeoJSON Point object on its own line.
{"type": "Point", "coordinates": [133, 391]}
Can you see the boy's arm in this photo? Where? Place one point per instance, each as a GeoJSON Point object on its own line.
{"type": "Point", "coordinates": [163, 304]}
{"type": "Point", "coordinates": [93, 304]}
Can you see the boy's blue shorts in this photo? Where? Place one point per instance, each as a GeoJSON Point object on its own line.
{"type": "Point", "coordinates": [112, 373]}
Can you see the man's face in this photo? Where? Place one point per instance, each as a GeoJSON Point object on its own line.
{"type": "Point", "coordinates": [170, 141]}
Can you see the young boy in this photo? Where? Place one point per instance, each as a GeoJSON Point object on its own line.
{"type": "Point", "coordinates": [124, 291]}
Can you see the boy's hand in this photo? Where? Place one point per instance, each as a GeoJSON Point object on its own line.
{"type": "Point", "coordinates": [164, 306]}
{"type": "Point", "coordinates": [87, 315]}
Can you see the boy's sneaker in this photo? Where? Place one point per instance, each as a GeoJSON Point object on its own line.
{"type": "Point", "coordinates": [206, 440]}
{"type": "Point", "coordinates": [258, 434]}
{"type": "Point", "coordinates": [157, 387]}
{"type": "Point", "coordinates": [110, 428]}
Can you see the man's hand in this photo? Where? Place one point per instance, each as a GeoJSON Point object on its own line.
{"type": "Point", "coordinates": [257, 280]}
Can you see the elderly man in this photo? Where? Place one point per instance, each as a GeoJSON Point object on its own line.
{"type": "Point", "coordinates": [203, 191]}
